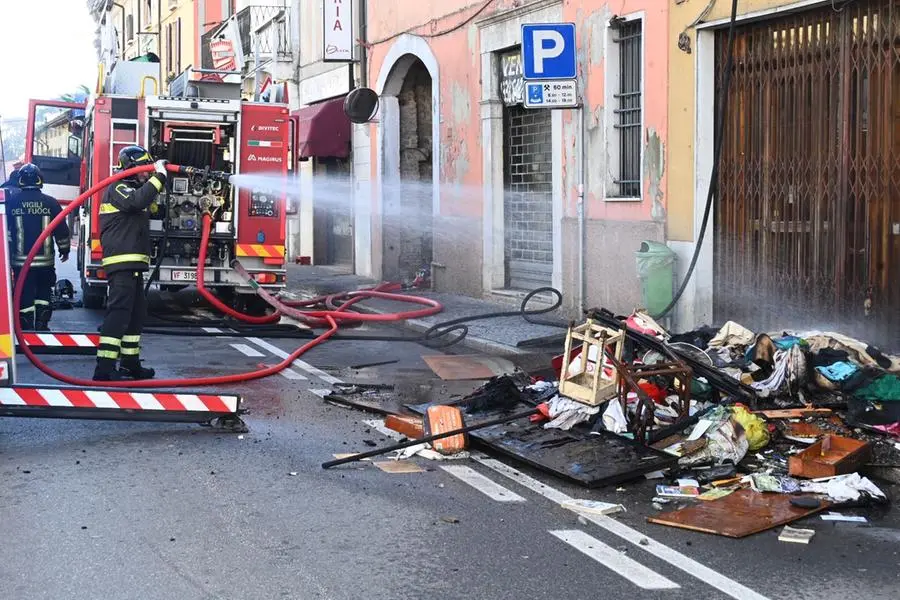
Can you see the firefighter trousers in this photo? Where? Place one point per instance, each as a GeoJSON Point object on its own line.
{"type": "Point", "coordinates": [35, 310]}
{"type": "Point", "coordinates": [126, 310]}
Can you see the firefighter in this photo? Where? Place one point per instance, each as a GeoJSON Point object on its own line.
{"type": "Point", "coordinates": [30, 212]}
{"type": "Point", "coordinates": [12, 184]}
{"type": "Point", "coordinates": [125, 238]}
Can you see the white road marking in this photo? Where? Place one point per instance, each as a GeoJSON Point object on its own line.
{"type": "Point", "coordinates": [320, 393]}
{"type": "Point", "coordinates": [661, 551]}
{"type": "Point", "coordinates": [303, 366]}
{"type": "Point", "coordinates": [212, 330]}
{"type": "Point", "coordinates": [247, 350]}
{"type": "Point", "coordinates": [289, 373]}
{"type": "Point", "coordinates": [492, 490]}
{"type": "Point", "coordinates": [615, 561]}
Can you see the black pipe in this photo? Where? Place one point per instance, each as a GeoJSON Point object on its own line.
{"type": "Point", "coordinates": [430, 438]}
{"type": "Point", "coordinates": [717, 159]}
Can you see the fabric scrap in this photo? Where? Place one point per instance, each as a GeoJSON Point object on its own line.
{"type": "Point", "coordinates": [844, 488]}
{"type": "Point", "coordinates": [839, 371]}
{"type": "Point", "coordinates": [732, 334]}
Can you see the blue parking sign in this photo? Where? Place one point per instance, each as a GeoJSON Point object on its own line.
{"type": "Point", "coordinates": [548, 51]}
{"type": "Point", "coordinates": [535, 93]}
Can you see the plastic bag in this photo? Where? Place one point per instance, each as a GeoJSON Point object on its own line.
{"type": "Point", "coordinates": [754, 428]}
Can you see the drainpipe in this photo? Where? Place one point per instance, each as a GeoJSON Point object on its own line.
{"type": "Point", "coordinates": [582, 169]}
{"type": "Point", "coordinates": [363, 41]}
{"type": "Point", "coordinates": [296, 40]}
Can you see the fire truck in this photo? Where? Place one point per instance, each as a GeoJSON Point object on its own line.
{"type": "Point", "coordinates": [203, 123]}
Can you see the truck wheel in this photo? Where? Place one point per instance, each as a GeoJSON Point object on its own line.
{"type": "Point", "coordinates": [92, 297]}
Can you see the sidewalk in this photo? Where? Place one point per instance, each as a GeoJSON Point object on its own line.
{"type": "Point", "coordinates": [492, 336]}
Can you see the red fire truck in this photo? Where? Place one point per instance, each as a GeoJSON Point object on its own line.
{"type": "Point", "coordinates": [204, 124]}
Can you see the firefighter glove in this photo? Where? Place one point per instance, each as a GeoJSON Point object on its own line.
{"type": "Point", "coordinates": [160, 167]}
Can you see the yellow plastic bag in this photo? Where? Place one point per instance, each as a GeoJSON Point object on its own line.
{"type": "Point", "coordinates": [755, 428]}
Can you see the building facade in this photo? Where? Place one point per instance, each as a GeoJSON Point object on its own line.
{"type": "Point", "coordinates": [497, 199]}
{"type": "Point", "coordinates": [805, 229]}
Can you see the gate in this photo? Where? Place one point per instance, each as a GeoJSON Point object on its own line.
{"type": "Point", "coordinates": [808, 210]}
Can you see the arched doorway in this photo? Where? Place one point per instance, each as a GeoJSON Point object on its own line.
{"type": "Point", "coordinates": [407, 193]}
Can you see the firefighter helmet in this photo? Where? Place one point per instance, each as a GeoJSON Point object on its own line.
{"type": "Point", "coordinates": [30, 177]}
{"type": "Point", "coordinates": [133, 156]}
{"type": "Point", "coordinates": [13, 181]}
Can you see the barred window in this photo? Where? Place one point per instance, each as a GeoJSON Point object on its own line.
{"type": "Point", "coordinates": [627, 36]}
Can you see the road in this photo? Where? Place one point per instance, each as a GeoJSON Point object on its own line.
{"type": "Point", "coordinates": [145, 511]}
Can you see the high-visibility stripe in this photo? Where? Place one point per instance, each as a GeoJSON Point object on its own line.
{"type": "Point", "coordinates": [131, 339]}
{"type": "Point", "coordinates": [155, 180]}
{"type": "Point", "coordinates": [107, 209]}
{"type": "Point", "coordinates": [41, 303]}
{"type": "Point", "coordinates": [260, 250]}
{"type": "Point", "coordinates": [6, 345]}
{"type": "Point", "coordinates": [131, 401]}
{"type": "Point", "coordinates": [130, 351]}
{"type": "Point", "coordinates": [26, 310]}
{"type": "Point", "coordinates": [107, 354]}
{"type": "Point", "coordinates": [125, 258]}
{"type": "Point", "coordinates": [110, 341]}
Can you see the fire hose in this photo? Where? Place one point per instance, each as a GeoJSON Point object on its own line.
{"type": "Point", "coordinates": [326, 318]}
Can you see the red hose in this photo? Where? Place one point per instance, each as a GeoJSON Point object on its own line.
{"type": "Point", "coordinates": [209, 297]}
{"type": "Point", "coordinates": [328, 317]}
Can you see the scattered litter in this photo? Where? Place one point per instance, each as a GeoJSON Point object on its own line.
{"type": "Point", "coordinates": [452, 367]}
{"type": "Point", "coordinates": [594, 507]}
{"type": "Point", "coordinates": [797, 536]}
{"type": "Point", "coordinates": [451, 520]}
{"type": "Point", "coordinates": [398, 466]}
{"type": "Point", "coordinates": [846, 488]}
{"type": "Point", "coordinates": [673, 491]}
{"type": "Point", "coordinates": [833, 516]}
{"type": "Point", "coordinates": [714, 494]}
{"type": "Point", "coordinates": [348, 455]}
{"type": "Point", "coordinates": [293, 473]}
{"type": "Point", "coordinates": [240, 437]}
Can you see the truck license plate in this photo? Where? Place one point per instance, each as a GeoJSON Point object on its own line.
{"type": "Point", "coordinates": [184, 275]}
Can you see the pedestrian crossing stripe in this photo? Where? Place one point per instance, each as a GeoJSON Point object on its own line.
{"type": "Point", "coordinates": [260, 250]}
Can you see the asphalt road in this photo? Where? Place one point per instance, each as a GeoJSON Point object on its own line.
{"type": "Point", "coordinates": [140, 510]}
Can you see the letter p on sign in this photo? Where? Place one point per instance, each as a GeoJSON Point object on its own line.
{"type": "Point", "coordinates": [548, 51]}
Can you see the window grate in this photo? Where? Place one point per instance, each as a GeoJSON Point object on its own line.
{"type": "Point", "coordinates": [628, 109]}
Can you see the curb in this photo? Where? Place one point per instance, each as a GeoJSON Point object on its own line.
{"type": "Point", "coordinates": [419, 326]}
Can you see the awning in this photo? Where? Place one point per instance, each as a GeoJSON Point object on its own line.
{"type": "Point", "coordinates": [324, 130]}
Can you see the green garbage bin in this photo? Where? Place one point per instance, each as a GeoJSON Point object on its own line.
{"type": "Point", "coordinates": [655, 268]}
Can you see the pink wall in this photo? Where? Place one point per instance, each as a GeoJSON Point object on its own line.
{"type": "Point", "coordinates": [459, 57]}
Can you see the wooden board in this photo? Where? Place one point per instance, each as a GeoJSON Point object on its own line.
{"type": "Point", "coordinates": [793, 413]}
{"type": "Point", "coordinates": [451, 367]}
{"type": "Point", "coordinates": [590, 460]}
{"type": "Point", "coordinates": [738, 515]}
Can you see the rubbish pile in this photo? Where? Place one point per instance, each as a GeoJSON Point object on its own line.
{"type": "Point", "coordinates": [773, 427]}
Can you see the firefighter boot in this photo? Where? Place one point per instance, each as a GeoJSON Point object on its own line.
{"type": "Point", "coordinates": [26, 320]}
{"type": "Point", "coordinates": [132, 369]}
{"type": "Point", "coordinates": [106, 370]}
{"type": "Point", "coordinates": [42, 314]}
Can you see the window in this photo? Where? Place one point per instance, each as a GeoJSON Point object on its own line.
{"type": "Point", "coordinates": [148, 13]}
{"type": "Point", "coordinates": [628, 45]}
{"type": "Point", "coordinates": [178, 45]}
{"type": "Point", "coordinates": [169, 63]}
{"type": "Point", "coordinates": [129, 28]}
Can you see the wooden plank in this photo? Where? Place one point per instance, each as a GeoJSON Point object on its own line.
{"type": "Point", "coordinates": [743, 513]}
{"type": "Point", "coordinates": [793, 413]}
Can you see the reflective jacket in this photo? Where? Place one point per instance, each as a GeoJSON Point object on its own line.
{"type": "Point", "coordinates": [28, 213]}
{"type": "Point", "coordinates": [125, 225]}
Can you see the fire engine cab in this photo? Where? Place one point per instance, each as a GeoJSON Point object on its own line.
{"type": "Point", "coordinates": [204, 124]}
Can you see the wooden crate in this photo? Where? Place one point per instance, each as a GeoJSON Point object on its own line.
{"type": "Point", "coordinates": [588, 383]}
{"type": "Point", "coordinates": [830, 456]}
